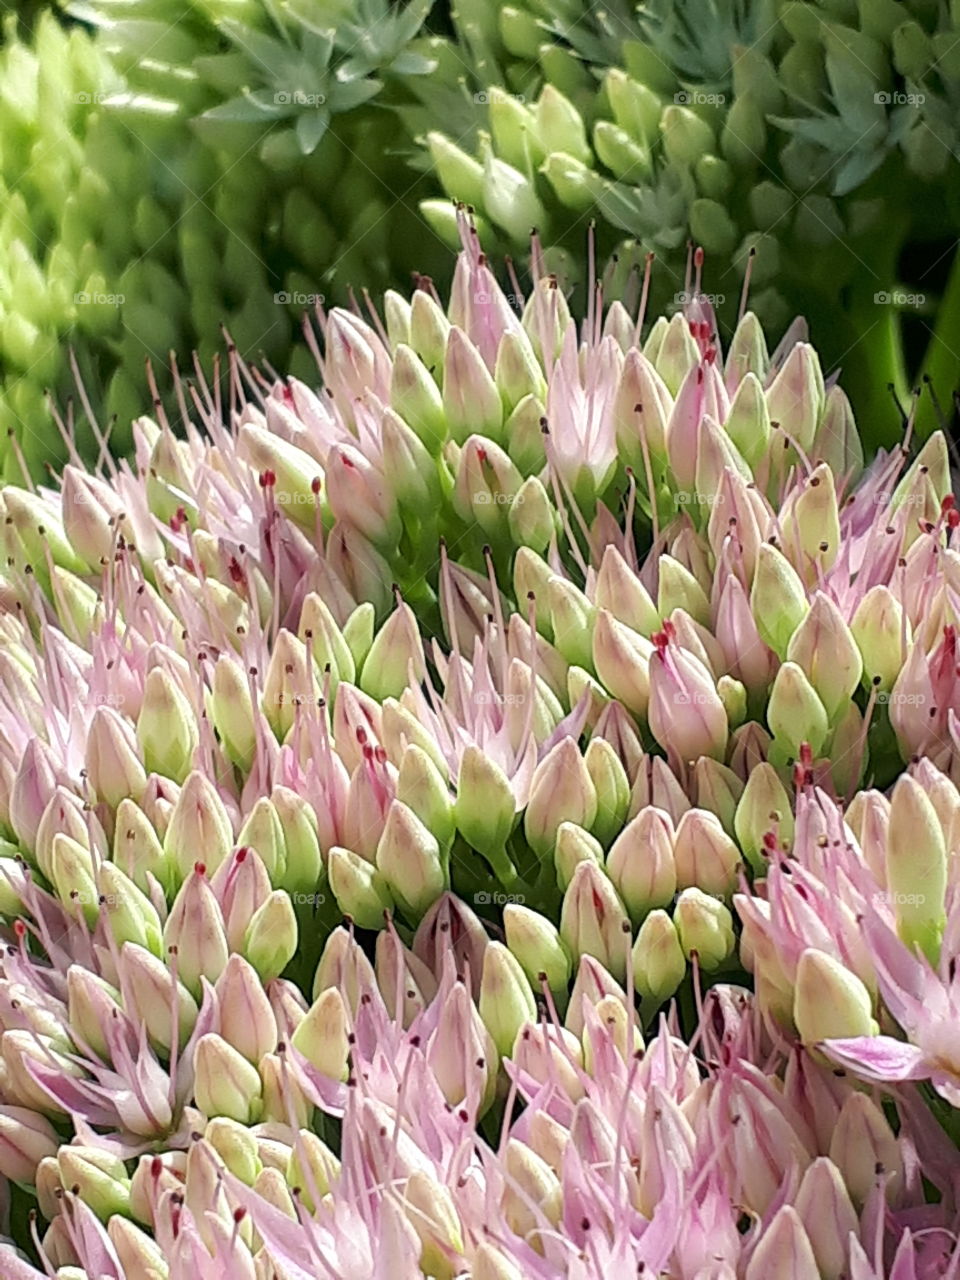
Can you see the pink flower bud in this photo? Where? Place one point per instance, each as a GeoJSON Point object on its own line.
{"type": "Point", "coordinates": [246, 1018]}
{"type": "Point", "coordinates": [199, 823]}
{"type": "Point", "coordinates": [26, 1138]}
{"type": "Point", "coordinates": [865, 1150]}
{"type": "Point", "coordinates": [641, 862]}
{"type": "Point", "coordinates": [704, 854]}
{"type": "Point", "coordinates": [593, 920]}
{"type": "Point", "coordinates": [462, 1055]}
{"type": "Point", "coordinates": [195, 927]}
{"type": "Point", "coordinates": [561, 791]}
{"type": "Point", "coordinates": [685, 713]}
{"type": "Point", "coordinates": [225, 1084]}
{"type": "Point", "coordinates": [784, 1251]}
{"type": "Point", "coordinates": [828, 1216]}
{"type": "Point", "coordinates": [621, 658]}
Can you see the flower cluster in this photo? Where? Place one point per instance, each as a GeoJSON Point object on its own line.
{"type": "Point", "coordinates": [554, 662]}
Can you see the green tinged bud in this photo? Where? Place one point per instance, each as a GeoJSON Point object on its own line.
{"type": "Point", "coordinates": [199, 826]}
{"type": "Point", "coordinates": [830, 1002]}
{"type": "Point", "coordinates": [422, 787]}
{"type": "Point", "coordinates": [471, 401]}
{"type": "Point", "coordinates": [130, 915]}
{"type": "Point", "coordinates": [574, 845]}
{"type": "Point", "coordinates": [233, 713]}
{"type": "Point", "coordinates": [537, 946]}
{"type": "Point", "coordinates": [270, 941]}
{"type": "Point", "coordinates": [572, 621]}
{"type": "Point", "coordinates": [299, 477]}
{"type": "Point", "coordinates": [506, 1002]}
{"type": "Point", "coordinates": [324, 641]}
{"type": "Point", "coordinates": [764, 807]}
{"type": "Point", "coordinates": [408, 858]}
{"type": "Point", "coordinates": [882, 635]}
{"type": "Point", "coordinates": [323, 1035]}
{"type": "Point", "coordinates": [236, 1146]}
{"type": "Point", "coordinates": [810, 522]}
{"type": "Point", "coordinates": [559, 125]}
{"type": "Point", "coordinates": [705, 927]}
{"type": "Point", "coordinates": [626, 158]}
{"type": "Point", "coordinates": [485, 808]}
{"type": "Point", "coordinates": [262, 832]}
{"type": "Point", "coordinates": [916, 867]}
{"type": "Point", "coordinates": [298, 823]}
{"type": "Point", "coordinates": [461, 176]}
{"type": "Point", "coordinates": [98, 1177]}
{"type": "Point", "coordinates": [561, 791]}
{"type": "Point", "coordinates": [778, 600]}
{"type": "Point", "coordinates": [593, 920]}
{"type": "Point", "coordinates": [659, 964]}
{"type": "Point", "coordinates": [794, 713]}
{"type": "Point", "coordinates": [414, 395]}
{"type": "Point", "coordinates": [679, 589]}
{"type": "Point", "coordinates": [712, 227]}
{"type": "Point", "coordinates": [396, 656]}
{"type": "Point", "coordinates": [359, 888]}
{"type": "Point", "coordinates": [509, 199]}
{"type": "Point", "coordinates": [166, 727]}
{"type": "Point", "coordinates": [826, 650]}
{"type": "Point", "coordinates": [748, 422]}
{"type": "Point", "coordinates": [574, 184]}
{"type": "Point", "coordinates": [225, 1084]}
{"type": "Point", "coordinates": [612, 787]}
{"type": "Point", "coordinates": [641, 863]}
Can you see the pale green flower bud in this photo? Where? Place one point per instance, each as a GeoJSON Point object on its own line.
{"type": "Point", "coordinates": [149, 986]}
{"type": "Point", "coordinates": [233, 713]}
{"type": "Point", "coordinates": [916, 868]}
{"type": "Point", "coordinates": [324, 641]}
{"type": "Point", "coordinates": [612, 786]}
{"type": "Point", "coordinates": [313, 1168]}
{"type": "Point", "coordinates": [561, 791]}
{"type": "Point", "coordinates": [530, 516]}
{"type": "Point", "coordinates": [359, 888]}
{"type": "Point", "coordinates": [882, 635]}
{"type": "Point", "coordinates": [778, 599]}
{"type": "Point", "coordinates": [414, 393]}
{"type": "Point", "coordinates": [262, 832]}
{"type": "Point", "coordinates": [506, 1002]}
{"type": "Point", "coordinates": [864, 1149]}
{"type": "Point", "coordinates": [270, 942]}
{"type": "Point", "coordinates": [422, 787]}
{"type": "Point", "coordinates": [826, 650]}
{"type": "Point", "coordinates": [794, 713]}
{"type": "Point", "coordinates": [100, 1178]}
{"type": "Point", "coordinates": [303, 868]}
{"type": "Point", "coordinates": [236, 1146]}
{"type": "Point", "coordinates": [830, 1002]}
{"type": "Point", "coordinates": [485, 808]}
{"type": "Point", "coordinates": [620, 591]}
{"type": "Point", "coordinates": [679, 589]}
{"type": "Point", "coordinates": [471, 401]}
{"type": "Point", "coordinates": [225, 1084]}
{"type": "Point", "coordinates": [323, 1035]}
{"type": "Point", "coordinates": [748, 419]}
{"type": "Point", "coordinates": [705, 927]}
{"type": "Point", "coordinates": [299, 477]}
{"type": "Point", "coordinates": [593, 920]}
{"type": "Point", "coordinates": [408, 859]}
{"type": "Point", "coordinates": [574, 845]}
{"type": "Point", "coordinates": [764, 807]}
{"type": "Point", "coordinates": [705, 856]}
{"type": "Point", "coordinates": [396, 656]}
{"type": "Point", "coordinates": [166, 727]}
{"type": "Point", "coordinates": [641, 863]}
{"type": "Point", "coordinates": [621, 659]}
{"type": "Point", "coordinates": [114, 770]}
{"type": "Point", "coordinates": [199, 826]}
{"type": "Point", "coordinates": [538, 947]}
{"type": "Point", "coordinates": [460, 175]}
{"type": "Point", "coordinates": [659, 964]}
{"type": "Point", "coordinates": [290, 678]}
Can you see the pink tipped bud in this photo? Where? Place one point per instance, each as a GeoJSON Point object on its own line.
{"type": "Point", "coordinates": [112, 760]}
{"type": "Point", "coordinates": [764, 811]}
{"type": "Point", "coordinates": [828, 1216]}
{"type": "Point", "coordinates": [641, 862]}
{"type": "Point", "coordinates": [246, 1018]}
{"type": "Point", "coordinates": [225, 1083]}
{"type": "Point", "coordinates": [506, 1001]}
{"type": "Point", "coordinates": [538, 947]}
{"type": "Point", "coordinates": [593, 920]}
{"type": "Point", "coordinates": [621, 659]}
{"type": "Point", "coordinates": [784, 1251]}
{"type": "Point", "coordinates": [471, 401]}
{"type": "Point", "coordinates": [561, 791]}
{"type": "Point", "coordinates": [26, 1138]}
{"type": "Point", "coordinates": [408, 858]}
{"type": "Point", "coordinates": [830, 1002]}
{"type": "Point", "coordinates": [704, 854]}
{"type": "Point", "coordinates": [916, 867]}
{"type": "Point", "coordinates": [199, 826]}
{"type": "Point", "coordinates": [486, 486]}
{"type": "Point", "coordinates": [195, 927]}
{"type": "Point", "coordinates": [462, 1054]}
{"type": "Point", "coordinates": [686, 714]}
{"type": "Point", "coordinates": [865, 1150]}
{"type": "Point", "coordinates": [795, 396]}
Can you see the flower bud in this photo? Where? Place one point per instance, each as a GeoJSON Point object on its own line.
{"type": "Point", "coordinates": [506, 1001]}
{"type": "Point", "coordinates": [827, 652]}
{"type": "Point", "coordinates": [561, 791]}
{"type": "Point", "coordinates": [406, 982]}
{"type": "Point", "coordinates": [778, 599]}
{"type": "Point", "coordinates": [620, 591]}
{"type": "Point", "coordinates": [297, 476]}
{"type": "Point", "coordinates": [572, 618]}
{"type": "Point", "coordinates": [199, 826]}
{"type": "Point", "coordinates": [704, 854]}
{"type": "Point", "coordinates": [748, 419]}
{"type": "Point", "coordinates": [236, 1146]}
{"type": "Point", "coordinates": [129, 914]}
{"type": "Point", "coordinates": [322, 1036]}
{"type": "Point", "coordinates": [551, 1055]}
{"type": "Point", "coordinates": [246, 1018]}
{"type": "Point", "coordinates": [574, 845]}
{"type": "Point", "coordinates": [828, 1216]}
{"type": "Point", "coordinates": [99, 1178]}
{"type": "Point", "coordinates": [530, 516]}
{"type": "Point", "coordinates": [686, 714]}
{"type": "Point", "coordinates": [461, 1053]}
{"type": "Point", "coordinates": [233, 713]}
{"type": "Point", "coordinates": [593, 920]}
{"type": "Point", "coordinates": [486, 486]}
{"type": "Point", "coordinates": [73, 877]}
{"type": "Point", "coordinates": [291, 679]}
{"type": "Point", "coordinates": [537, 946]}
{"type": "Point", "coordinates": [26, 1138]}
{"type": "Point", "coordinates": [359, 888]}
{"type": "Point", "coordinates": [471, 401]}
{"type": "Point", "coordinates": [485, 808]}
{"type": "Point", "coordinates": [764, 808]}
{"type": "Point", "coordinates": [864, 1149]}
{"type": "Point", "coordinates": [325, 642]}
{"type": "Point", "coordinates": [621, 659]}
{"type": "Point", "coordinates": [532, 1190]}
{"type": "Point", "coordinates": [359, 495]}
{"type": "Point", "coordinates": [705, 927]}
{"type": "Point", "coordinates": [882, 635]}
{"type": "Point", "coordinates": [396, 656]}
{"type": "Point", "coordinates": [137, 1252]}
{"type": "Point", "coordinates": [784, 1251]}
{"type": "Point", "coordinates": [262, 832]}
{"type": "Point", "coordinates": [166, 726]}
{"type": "Point", "coordinates": [137, 849]}
{"type": "Point", "coordinates": [612, 787]}
{"type": "Point", "coordinates": [195, 927]}
{"type": "Point", "coordinates": [408, 858]}
{"type": "Point", "coordinates": [408, 463]}
{"type": "Point", "coordinates": [641, 863]}
{"type": "Point", "coordinates": [830, 1002]}
{"type": "Point", "coordinates": [641, 409]}
{"type": "Point", "coordinates": [270, 941]}
{"type": "Point", "coordinates": [916, 868]}
{"type": "Point", "coordinates": [111, 760]}
{"type": "Point", "coordinates": [225, 1084]}
{"type": "Point", "coordinates": [794, 713]}
{"type": "Point", "coordinates": [423, 789]}
{"type": "Point", "coordinates": [313, 1168]}
{"type": "Point", "coordinates": [149, 989]}
{"type": "Point", "coordinates": [679, 589]}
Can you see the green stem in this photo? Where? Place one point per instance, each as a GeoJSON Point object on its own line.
{"type": "Point", "coordinates": [941, 363]}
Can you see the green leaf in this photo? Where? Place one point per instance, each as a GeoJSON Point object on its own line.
{"type": "Point", "coordinates": [856, 169]}
{"type": "Point", "coordinates": [348, 94]}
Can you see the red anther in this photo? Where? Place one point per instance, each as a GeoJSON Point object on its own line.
{"type": "Point", "coordinates": [287, 393]}
{"type": "Point", "coordinates": [948, 503]}
{"type": "Point", "coordinates": [242, 853]}
{"type": "Point", "coordinates": [178, 520]}
{"type": "Point", "coordinates": [481, 454]}
{"type": "Point", "coordinates": [361, 735]}
{"type": "Point", "coordinates": [20, 929]}
{"type": "Point", "coordinates": [700, 375]}
{"type": "Point", "coordinates": [200, 868]}
{"type": "Point", "coordinates": [953, 518]}
{"type": "Point", "coordinates": [347, 461]}
{"type": "Point", "coordinates": [806, 754]}
{"type": "Point", "coordinates": [239, 1214]}
{"type": "Point", "coordinates": [235, 570]}
{"type": "Point", "coordinates": [316, 484]}
{"type": "Point", "coordinates": [381, 755]}
{"type": "Point", "coordinates": [367, 752]}
{"type": "Point", "coordinates": [156, 1167]}
{"type": "Point", "coordinates": [770, 842]}
{"type": "Point", "coordinates": [268, 479]}
{"type": "Point", "coordinates": [710, 355]}
{"type": "Point", "coordinates": [698, 256]}
{"type": "Point", "coordinates": [189, 565]}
